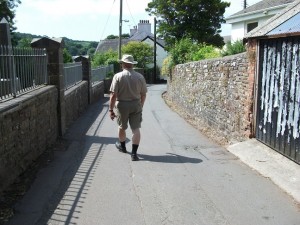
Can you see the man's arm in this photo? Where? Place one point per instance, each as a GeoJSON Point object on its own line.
{"type": "Point", "coordinates": [112, 102]}
{"type": "Point", "coordinates": [143, 98]}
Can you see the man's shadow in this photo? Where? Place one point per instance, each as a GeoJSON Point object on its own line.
{"type": "Point", "coordinates": [168, 158]}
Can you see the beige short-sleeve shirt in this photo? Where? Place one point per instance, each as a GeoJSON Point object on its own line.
{"type": "Point", "coordinates": [128, 85]}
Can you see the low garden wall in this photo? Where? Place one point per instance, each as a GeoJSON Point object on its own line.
{"type": "Point", "coordinates": [97, 91]}
{"type": "Point", "coordinates": [28, 126]}
{"type": "Point", "coordinates": [76, 102]}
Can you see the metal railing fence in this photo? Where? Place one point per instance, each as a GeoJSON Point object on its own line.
{"type": "Point", "coordinates": [72, 74]}
{"type": "Point", "coordinates": [21, 70]}
{"type": "Point", "coordinates": [99, 73]}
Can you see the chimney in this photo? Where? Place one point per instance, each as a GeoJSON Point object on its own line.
{"type": "Point", "coordinates": [133, 31]}
{"type": "Point", "coordinates": [144, 26]}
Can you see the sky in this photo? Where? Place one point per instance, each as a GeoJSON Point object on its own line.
{"type": "Point", "coordinates": [90, 20]}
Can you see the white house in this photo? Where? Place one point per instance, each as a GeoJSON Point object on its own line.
{"type": "Point", "coordinates": [161, 54]}
{"type": "Point", "coordinates": [249, 18]}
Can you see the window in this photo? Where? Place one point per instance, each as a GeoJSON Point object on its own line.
{"type": "Point", "coordinates": [251, 26]}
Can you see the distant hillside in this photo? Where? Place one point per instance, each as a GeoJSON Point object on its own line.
{"type": "Point", "coordinates": [74, 47]}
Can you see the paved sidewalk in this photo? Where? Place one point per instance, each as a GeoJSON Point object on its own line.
{"type": "Point", "coordinates": [183, 178]}
{"type": "Point", "coordinates": [270, 164]}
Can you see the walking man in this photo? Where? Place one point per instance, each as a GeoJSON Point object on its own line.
{"type": "Point", "coordinates": [127, 96]}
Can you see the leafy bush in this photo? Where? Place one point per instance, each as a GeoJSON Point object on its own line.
{"type": "Point", "coordinates": [141, 52]}
{"type": "Point", "coordinates": [109, 75]}
{"type": "Point", "coordinates": [182, 51]}
{"type": "Point", "coordinates": [233, 48]}
{"type": "Point", "coordinates": [115, 63]}
{"type": "Point", "coordinates": [167, 66]}
{"type": "Point", "coordinates": [67, 56]}
{"type": "Point", "coordinates": [186, 50]}
{"type": "Point", "coordinates": [206, 52]}
{"type": "Point", "coordinates": [100, 59]}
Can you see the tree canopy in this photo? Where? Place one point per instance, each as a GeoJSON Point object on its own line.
{"type": "Point", "coordinates": [199, 20]}
{"type": "Point", "coordinates": [142, 52]}
{"type": "Point", "coordinates": [112, 36]}
{"type": "Point", "coordinates": [104, 58]}
{"type": "Point", "coordinates": [7, 10]}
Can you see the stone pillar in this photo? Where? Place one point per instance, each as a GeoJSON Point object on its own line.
{"type": "Point", "coordinates": [5, 38]}
{"type": "Point", "coordinates": [55, 68]}
{"type": "Point", "coordinates": [252, 46]}
{"type": "Point", "coordinates": [86, 72]}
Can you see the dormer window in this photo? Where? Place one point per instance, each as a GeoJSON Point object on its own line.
{"type": "Point", "coordinates": [251, 26]}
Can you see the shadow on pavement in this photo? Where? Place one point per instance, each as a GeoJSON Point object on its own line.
{"type": "Point", "coordinates": [169, 158]}
{"type": "Point", "coordinates": [81, 154]}
{"type": "Point", "coordinates": [67, 201]}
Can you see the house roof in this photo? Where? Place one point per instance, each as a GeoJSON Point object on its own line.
{"type": "Point", "coordinates": [113, 44]}
{"type": "Point", "coordinates": [160, 42]}
{"type": "Point", "coordinates": [262, 6]}
{"type": "Point", "coordinates": [285, 22]}
{"type": "Point", "coordinates": [139, 33]}
{"type": "Point", "coordinates": [292, 25]}
{"type": "Point", "coordinates": [142, 33]}
{"type": "Point", "coordinates": [138, 36]}
{"type": "Point", "coordinates": [107, 44]}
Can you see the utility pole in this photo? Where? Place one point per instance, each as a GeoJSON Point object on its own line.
{"type": "Point", "coordinates": [154, 54]}
{"type": "Point", "coordinates": [120, 28]}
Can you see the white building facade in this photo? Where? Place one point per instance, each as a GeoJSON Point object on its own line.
{"type": "Point", "coordinates": [247, 19]}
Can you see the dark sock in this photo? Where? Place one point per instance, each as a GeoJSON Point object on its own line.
{"type": "Point", "coordinates": [134, 149]}
{"type": "Point", "coordinates": [123, 144]}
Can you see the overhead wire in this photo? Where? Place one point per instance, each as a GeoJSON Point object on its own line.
{"type": "Point", "coordinates": [107, 20]}
{"type": "Point", "coordinates": [130, 13]}
{"type": "Point", "coordinates": [135, 24]}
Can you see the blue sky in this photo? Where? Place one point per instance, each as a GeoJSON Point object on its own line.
{"type": "Point", "coordinates": [89, 20]}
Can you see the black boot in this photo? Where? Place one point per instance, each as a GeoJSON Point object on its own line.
{"type": "Point", "coordinates": [134, 156]}
{"type": "Point", "coordinates": [121, 146]}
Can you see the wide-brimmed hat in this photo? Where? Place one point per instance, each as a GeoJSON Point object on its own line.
{"type": "Point", "coordinates": [128, 59]}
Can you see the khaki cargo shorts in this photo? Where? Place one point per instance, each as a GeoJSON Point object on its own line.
{"type": "Point", "coordinates": [129, 111]}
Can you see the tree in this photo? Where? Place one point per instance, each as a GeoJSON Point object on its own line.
{"type": "Point", "coordinates": [72, 49]}
{"type": "Point", "coordinates": [67, 56]}
{"type": "Point", "coordinates": [93, 44]}
{"type": "Point", "coordinates": [186, 50]}
{"type": "Point", "coordinates": [206, 52]}
{"type": "Point", "coordinates": [7, 11]}
{"type": "Point", "coordinates": [112, 37]}
{"type": "Point", "coordinates": [125, 36]}
{"type": "Point", "coordinates": [103, 58]}
{"type": "Point", "coordinates": [142, 52]}
{"type": "Point", "coordinates": [91, 51]}
{"type": "Point", "coordinates": [109, 37]}
{"type": "Point", "coordinates": [24, 43]}
{"type": "Point", "coordinates": [199, 20]}
{"type": "Point", "coordinates": [182, 51]}
{"type": "Point", "coordinates": [234, 48]}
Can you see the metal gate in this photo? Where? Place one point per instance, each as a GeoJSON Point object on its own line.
{"type": "Point", "coordinates": [278, 109]}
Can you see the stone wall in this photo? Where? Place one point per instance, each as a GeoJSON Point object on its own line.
{"type": "Point", "coordinates": [215, 95]}
{"type": "Point", "coordinates": [97, 92]}
{"type": "Point", "coordinates": [28, 126]}
{"type": "Point", "coordinates": [31, 123]}
{"type": "Point", "coordinates": [76, 102]}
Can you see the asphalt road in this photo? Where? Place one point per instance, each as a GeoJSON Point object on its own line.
{"type": "Point", "coordinates": [183, 178]}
